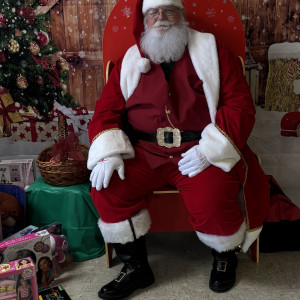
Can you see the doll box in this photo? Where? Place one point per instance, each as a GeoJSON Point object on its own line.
{"type": "Point", "coordinates": [18, 277]}
{"type": "Point", "coordinates": [37, 247]}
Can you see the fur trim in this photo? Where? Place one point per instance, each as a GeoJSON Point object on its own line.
{"type": "Point", "coordinates": [250, 237]}
{"type": "Point", "coordinates": [109, 143]}
{"type": "Point", "coordinates": [130, 74]}
{"type": "Point", "coordinates": [223, 243]}
{"type": "Point", "coordinates": [147, 4]}
{"type": "Point", "coordinates": [204, 56]}
{"type": "Point", "coordinates": [218, 149]}
{"type": "Point", "coordinates": [121, 232]}
{"type": "Point", "coordinates": [144, 65]}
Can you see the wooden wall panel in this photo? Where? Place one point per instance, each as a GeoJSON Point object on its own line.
{"type": "Point", "coordinates": [77, 28]}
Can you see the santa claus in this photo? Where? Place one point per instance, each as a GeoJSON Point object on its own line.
{"type": "Point", "coordinates": [176, 110]}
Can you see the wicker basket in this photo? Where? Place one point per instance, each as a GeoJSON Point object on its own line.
{"type": "Point", "coordinates": [63, 173]}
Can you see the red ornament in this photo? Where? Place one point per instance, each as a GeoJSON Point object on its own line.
{"type": "Point", "coordinates": [43, 2]}
{"type": "Point", "coordinates": [40, 80]}
{"type": "Point", "coordinates": [2, 21]}
{"type": "Point", "coordinates": [34, 48]}
{"type": "Point", "coordinates": [22, 82]}
{"type": "Point", "coordinates": [42, 38]}
{"type": "Point", "coordinates": [28, 14]}
{"type": "Point", "coordinates": [2, 57]}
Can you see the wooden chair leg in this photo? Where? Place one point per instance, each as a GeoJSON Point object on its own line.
{"type": "Point", "coordinates": [254, 250]}
{"type": "Point", "coordinates": [108, 253]}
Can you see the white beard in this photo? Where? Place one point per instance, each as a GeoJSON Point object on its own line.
{"type": "Point", "coordinates": [165, 44]}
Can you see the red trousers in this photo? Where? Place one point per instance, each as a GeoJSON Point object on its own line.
{"type": "Point", "coordinates": [210, 197]}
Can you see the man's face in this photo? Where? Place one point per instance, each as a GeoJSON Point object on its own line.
{"type": "Point", "coordinates": [162, 13]}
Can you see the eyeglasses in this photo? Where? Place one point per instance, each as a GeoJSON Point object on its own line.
{"type": "Point", "coordinates": [168, 12]}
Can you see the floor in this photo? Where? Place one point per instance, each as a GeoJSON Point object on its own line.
{"type": "Point", "coordinates": [182, 265]}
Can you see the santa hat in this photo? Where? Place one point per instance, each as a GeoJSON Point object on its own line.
{"type": "Point", "coordinates": [156, 3]}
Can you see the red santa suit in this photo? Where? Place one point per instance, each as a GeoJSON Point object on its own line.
{"type": "Point", "coordinates": [207, 92]}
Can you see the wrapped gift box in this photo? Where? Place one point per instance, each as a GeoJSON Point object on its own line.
{"type": "Point", "coordinates": [77, 118]}
{"type": "Point", "coordinates": [34, 131]}
{"type": "Point", "coordinates": [8, 112]}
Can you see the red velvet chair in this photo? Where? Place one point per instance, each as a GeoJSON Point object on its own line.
{"type": "Point", "coordinates": [167, 209]}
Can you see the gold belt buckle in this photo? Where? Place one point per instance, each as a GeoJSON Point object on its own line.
{"type": "Point", "coordinates": [160, 136]}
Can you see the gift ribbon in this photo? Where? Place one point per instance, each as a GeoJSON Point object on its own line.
{"type": "Point", "coordinates": [11, 108]}
{"type": "Point", "coordinates": [2, 21]}
{"type": "Point", "coordinates": [71, 115]}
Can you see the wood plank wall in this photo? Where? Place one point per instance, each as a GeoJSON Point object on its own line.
{"type": "Point", "coordinates": [77, 28]}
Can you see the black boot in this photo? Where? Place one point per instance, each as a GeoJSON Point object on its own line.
{"type": "Point", "coordinates": [136, 272]}
{"type": "Point", "coordinates": [222, 277]}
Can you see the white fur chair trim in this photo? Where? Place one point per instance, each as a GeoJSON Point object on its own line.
{"type": "Point", "coordinates": [218, 149]}
{"type": "Point", "coordinates": [250, 237]}
{"type": "Point", "coordinates": [121, 232]}
{"type": "Point", "coordinates": [109, 143]}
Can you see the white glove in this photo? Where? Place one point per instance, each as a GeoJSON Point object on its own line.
{"type": "Point", "coordinates": [193, 162]}
{"type": "Point", "coordinates": [104, 169]}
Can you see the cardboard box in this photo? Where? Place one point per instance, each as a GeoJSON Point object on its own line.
{"type": "Point", "coordinates": [36, 246]}
{"type": "Point", "coordinates": [18, 276]}
{"type": "Point", "coordinates": [19, 172]}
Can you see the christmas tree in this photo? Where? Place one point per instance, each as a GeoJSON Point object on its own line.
{"type": "Point", "coordinates": [26, 69]}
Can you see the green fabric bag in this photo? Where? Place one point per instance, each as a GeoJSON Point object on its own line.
{"type": "Point", "coordinates": [71, 206]}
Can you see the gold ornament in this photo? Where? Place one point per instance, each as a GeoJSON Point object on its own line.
{"type": "Point", "coordinates": [13, 46]}
{"type": "Point", "coordinates": [61, 64]}
{"type": "Point", "coordinates": [22, 82]}
{"type": "Point", "coordinates": [34, 48]}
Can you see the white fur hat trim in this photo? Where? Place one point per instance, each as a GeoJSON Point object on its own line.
{"type": "Point", "coordinates": [143, 65]}
{"type": "Point", "coordinates": [156, 3]}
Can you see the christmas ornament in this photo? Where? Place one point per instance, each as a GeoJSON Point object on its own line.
{"type": "Point", "coordinates": [13, 46]}
{"type": "Point", "coordinates": [61, 64]}
{"type": "Point", "coordinates": [42, 38]}
{"type": "Point", "coordinates": [40, 80]}
{"type": "Point", "coordinates": [34, 48]}
{"type": "Point", "coordinates": [28, 14]}
{"type": "Point", "coordinates": [2, 21]}
{"type": "Point", "coordinates": [22, 82]}
{"type": "Point", "coordinates": [2, 57]}
{"type": "Point", "coordinates": [43, 2]}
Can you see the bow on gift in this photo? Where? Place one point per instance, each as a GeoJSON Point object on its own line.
{"type": "Point", "coordinates": [4, 111]}
{"type": "Point", "coordinates": [67, 149]}
{"type": "Point", "coordinates": [2, 21]}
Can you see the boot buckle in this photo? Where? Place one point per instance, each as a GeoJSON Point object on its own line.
{"type": "Point", "coordinates": [222, 266]}
{"type": "Point", "coordinates": [120, 276]}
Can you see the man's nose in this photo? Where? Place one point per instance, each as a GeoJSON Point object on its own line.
{"type": "Point", "coordinates": [161, 15]}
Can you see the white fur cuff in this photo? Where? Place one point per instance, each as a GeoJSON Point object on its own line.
{"type": "Point", "coordinates": [121, 232]}
{"type": "Point", "coordinates": [109, 143]}
{"type": "Point", "coordinates": [218, 149]}
{"type": "Point", "coordinates": [222, 243]}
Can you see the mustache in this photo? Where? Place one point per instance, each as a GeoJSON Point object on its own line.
{"type": "Point", "coordinates": [164, 23]}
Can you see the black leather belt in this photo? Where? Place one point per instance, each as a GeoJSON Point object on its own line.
{"type": "Point", "coordinates": [168, 137]}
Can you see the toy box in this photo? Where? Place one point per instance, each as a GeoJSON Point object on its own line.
{"type": "Point", "coordinates": [20, 172]}
{"type": "Point", "coordinates": [54, 293]}
{"type": "Point", "coordinates": [18, 280]}
{"type": "Point", "coordinates": [36, 246]}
